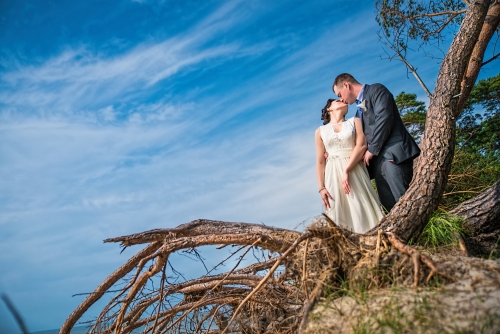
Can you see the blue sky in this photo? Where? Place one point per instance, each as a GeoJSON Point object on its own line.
{"type": "Point", "coordinates": [122, 116]}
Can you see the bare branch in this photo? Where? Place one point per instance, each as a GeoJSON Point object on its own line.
{"type": "Point", "coordinates": [491, 59]}
{"type": "Point", "coordinates": [195, 228]}
{"type": "Point", "coordinates": [414, 72]}
{"type": "Point", "coordinates": [403, 59]}
{"type": "Point", "coordinates": [440, 29]}
{"type": "Point", "coordinates": [271, 271]}
{"type": "Point", "coordinates": [219, 282]}
{"type": "Point", "coordinates": [451, 13]}
{"type": "Point", "coordinates": [104, 286]}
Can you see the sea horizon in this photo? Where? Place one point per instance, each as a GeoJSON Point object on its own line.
{"type": "Point", "coordinates": [75, 330]}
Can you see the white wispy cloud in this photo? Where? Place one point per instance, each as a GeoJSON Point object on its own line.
{"type": "Point", "coordinates": [79, 77]}
{"type": "Point", "coordinates": [90, 155]}
{"type": "Point", "coordinates": [153, 163]}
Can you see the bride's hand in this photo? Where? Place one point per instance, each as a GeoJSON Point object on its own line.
{"type": "Point", "coordinates": [345, 182]}
{"type": "Point", "coordinates": [325, 195]}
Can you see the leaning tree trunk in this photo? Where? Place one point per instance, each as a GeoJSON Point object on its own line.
{"type": "Point", "coordinates": [482, 221]}
{"type": "Point", "coordinates": [408, 218]}
{"type": "Point", "coordinates": [490, 26]}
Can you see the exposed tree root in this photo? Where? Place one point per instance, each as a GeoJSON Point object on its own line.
{"type": "Point", "coordinates": [482, 222]}
{"type": "Point", "coordinates": [274, 294]}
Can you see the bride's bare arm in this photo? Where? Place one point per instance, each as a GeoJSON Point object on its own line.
{"type": "Point", "coordinates": [320, 169]}
{"type": "Point", "coordinates": [356, 156]}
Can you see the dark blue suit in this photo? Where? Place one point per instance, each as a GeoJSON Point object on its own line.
{"type": "Point", "coordinates": [390, 142]}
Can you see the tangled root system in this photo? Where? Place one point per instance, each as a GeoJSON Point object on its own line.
{"type": "Point", "coordinates": [272, 294]}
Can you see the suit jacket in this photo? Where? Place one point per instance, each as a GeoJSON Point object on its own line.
{"type": "Point", "coordinates": [385, 132]}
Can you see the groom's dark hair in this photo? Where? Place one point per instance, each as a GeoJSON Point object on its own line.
{"type": "Point", "coordinates": [344, 77]}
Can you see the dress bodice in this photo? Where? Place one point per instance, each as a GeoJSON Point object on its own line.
{"type": "Point", "coordinates": [343, 140]}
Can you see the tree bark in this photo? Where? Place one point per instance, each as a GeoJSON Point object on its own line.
{"type": "Point", "coordinates": [410, 215]}
{"type": "Point", "coordinates": [490, 25]}
{"type": "Point", "coordinates": [482, 216]}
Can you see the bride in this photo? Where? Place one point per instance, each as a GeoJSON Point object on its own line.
{"type": "Point", "coordinates": [344, 186]}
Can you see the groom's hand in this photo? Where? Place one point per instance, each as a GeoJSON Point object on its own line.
{"type": "Point", "coordinates": [368, 157]}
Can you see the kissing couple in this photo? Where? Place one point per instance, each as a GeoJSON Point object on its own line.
{"type": "Point", "coordinates": [374, 144]}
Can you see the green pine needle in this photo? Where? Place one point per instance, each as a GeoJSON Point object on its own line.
{"type": "Point", "coordinates": [443, 229]}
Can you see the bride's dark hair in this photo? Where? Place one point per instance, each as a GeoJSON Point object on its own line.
{"type": "Point", "coordinates": [325, 116]}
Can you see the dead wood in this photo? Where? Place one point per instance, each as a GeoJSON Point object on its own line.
{"type": "Point", "coordinates": [106, 285]}
{"type": "Point", "coordinates": [273, 294]}
{"type": "Point", "coordinates": [482, 221]}
{"type": "Point", "coordinates": [271, 237]}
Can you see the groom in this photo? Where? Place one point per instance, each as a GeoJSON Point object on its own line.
{"type": "Point", "coordinates": [391, 149]}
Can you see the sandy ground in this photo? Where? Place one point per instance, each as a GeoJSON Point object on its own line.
{"type": "Point", "coordinates": [469, 305]}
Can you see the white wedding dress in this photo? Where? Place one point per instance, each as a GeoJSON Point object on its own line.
{"type": "Point", "coordinates": [360, 210]}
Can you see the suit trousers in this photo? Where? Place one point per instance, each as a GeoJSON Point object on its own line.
{"type": "Point", "coordinates": [392, 179]}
